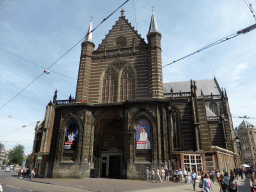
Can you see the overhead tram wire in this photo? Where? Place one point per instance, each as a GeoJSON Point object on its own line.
{"type": "Point", "coordinates": [243, 31]}
{"type": "Point", "coordinates": [64, 54]}
{"type": "Point", "coordinates": [34, 63]}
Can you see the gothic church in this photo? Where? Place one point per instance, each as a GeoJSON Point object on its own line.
{"type": "Point", "coordinates": [124, 118]}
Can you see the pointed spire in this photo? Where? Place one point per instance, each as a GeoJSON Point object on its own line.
{"type": "Point", "coordinates": [90, 36]}
{"type": "Point", "coordinates": [153, 25]}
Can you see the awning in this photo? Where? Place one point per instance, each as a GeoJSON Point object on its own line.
{"type": "Point", "coordinates": [245, 165]}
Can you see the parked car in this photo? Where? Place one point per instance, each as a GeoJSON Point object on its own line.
{"type": "Point", "coordinates": [7, 169]}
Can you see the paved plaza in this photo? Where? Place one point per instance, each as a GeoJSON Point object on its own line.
{"type": "Point", "coordinates": [102, 184]}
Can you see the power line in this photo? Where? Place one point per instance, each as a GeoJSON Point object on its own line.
{"type": "Point", "coordinates": [34, 63]}
{"type": "Point", "coordinates": [64, 54]}
{"type": "Point", "coordinates": [19, 86]}
{"type": "Point", "coordinates": [243, 31]}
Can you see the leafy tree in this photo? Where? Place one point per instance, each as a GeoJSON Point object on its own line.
{"type": "Point", "coordinates": [4, 162]}
{"type": "Point", "coordinates": [16, 154]}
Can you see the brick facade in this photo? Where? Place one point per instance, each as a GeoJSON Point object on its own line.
{"type": "Point", "coordinates": [120, 88]}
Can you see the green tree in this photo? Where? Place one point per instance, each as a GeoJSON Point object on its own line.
{"type": "Point", "coordinates": [16, 154]}
{"type": "Point", "coordinates": [4, 162]}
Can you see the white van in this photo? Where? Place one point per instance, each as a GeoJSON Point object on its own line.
{"type": "Point", "coordinates": [7, 169]}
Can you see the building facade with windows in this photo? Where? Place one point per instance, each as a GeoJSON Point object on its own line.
{"type": "Point", "coordinates": [124, 118]}
{"type": "Point", "coordinates": [247, 136]}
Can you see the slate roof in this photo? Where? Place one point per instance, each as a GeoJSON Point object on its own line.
{"type": "Point", "coordinates": [245, 124]}
{"type": "Point", "coordinates": [208, 86]}
{"type": "Point", "coordinates": [153, 25]}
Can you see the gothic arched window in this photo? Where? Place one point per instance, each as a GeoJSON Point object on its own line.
{"type": "Point", "coordinates": [127, 84]}
{"type": "Point", "coordinates": [176, 128]}
{"type": "Point", "coordinates": [110, 81]}
{"type": "Point", "coordinates": [213, 107]}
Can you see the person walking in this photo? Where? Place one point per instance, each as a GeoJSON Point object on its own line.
{"type": "Point", "coordinates": [32, 174]}
{"type": "Point", "coordinates": [222, 184]}
{"type": "Point", "coordinates": [207, 183]}
{"type": "Point", "coordinates": [163, 175]}
{"type": "Point", "coordinates": [180, 176]}
{"type": "Point", "coordinates": [193, 177]}
{"type": "Point", "coordinates": [226, 181]}
{"type": "Point", "coordinates": [233, 187]}
{"type": "Point", "coordinates": [147, 174]}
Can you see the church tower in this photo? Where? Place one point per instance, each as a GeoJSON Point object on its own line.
{"type": "Point", "coordinates": [155, 60]}
{"type": "Point", "coordinates": [82, 89]}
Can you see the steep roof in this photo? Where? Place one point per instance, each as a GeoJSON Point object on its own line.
{"type": "Point", "coordinates": [208, 86]}
{"type": "Point", "coordinates": [121, 28]}
{"type": "Point", "coordinates": [245, 124]}
{"type": "Point", "coordinates": [153, 25]}
{"type": "Point", "coordinates": [90, 36]}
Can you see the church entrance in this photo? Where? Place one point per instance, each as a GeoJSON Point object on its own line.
{"type": "Point", "coordinates": [109, 144]}
{"type": "Point", "coordinates": [111, 163]}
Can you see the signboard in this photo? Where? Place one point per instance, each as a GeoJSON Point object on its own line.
{"type": "Point", "coordinates": [71, 136]}
{"type": "Point", "coordinates": [39, 157]}
{"type": "Point", "coordinates": [143, 135]}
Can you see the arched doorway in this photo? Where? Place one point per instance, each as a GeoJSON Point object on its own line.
{"type": "Point", "coordinates": [109, 144]}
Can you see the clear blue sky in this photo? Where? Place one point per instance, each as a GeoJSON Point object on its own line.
{"type": "Point", "coordinates": [42, 31]}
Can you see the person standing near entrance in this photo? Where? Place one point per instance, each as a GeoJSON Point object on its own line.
{"type": "Point", "coordinates": [185, 175]}
{"type": "Point", "coordinates": [147, 173]}
{"type": "Point", "coordinates": [153, 175]}
{"type": "Point", "coordinates": [163, 175]}
{"type": "Point", "coordinates": [193, 177]}
{"type": "Point", "coordinates": [158, 174]}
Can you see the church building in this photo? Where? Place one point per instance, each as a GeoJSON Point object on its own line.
{"type": "Point", "coordinates": [124, 118]}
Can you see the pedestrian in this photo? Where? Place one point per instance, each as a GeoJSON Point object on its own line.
{"type": "Point", "coordinates": [211, 177]}
{"type": "Point", "coordinates": [32, 174]}
{"type": "Point", "coordinates": [193, 177]}
{"type": "Point", "coordinates": [158, 174]}
{"type": "Point", "coordinates": [147, 174]}
{"type": "Point", "coordinates": [233, 187]}
{"type": "Point", "coordinates": [1, 189]}
{"type": "Point", "coordinates": [222, 184]}
{"type": "Point", "coordinates": [241, 173]}
{"type": "Point", "coordinates": [153, 175]}
{"type": "Point", "coordinates": [226, 180]}
{"type": "Point", "coordinates": [201, 181]}
{"type": "Point", "coordinates": [167, 173]}
{"type": "Point", "coordinates": [21, 173]}
{"type": "Point", "coordinates": [218, 175]}
{"type": "Point", "coordinates": [163, 175]}
{"type": "Point", "coordinates": [185, 175]}
{"type": "Point", "coordinates": [253, 183]}
{"type": "Point", "coordinates": [180, 176]}
{"type": "Point", "coordinates": [207, 183]}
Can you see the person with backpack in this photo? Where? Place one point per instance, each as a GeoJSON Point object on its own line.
{"type": "Point", "coordinates": [222, 184]}
{"type": "Point", "coordinates": [207, 183]}
{"type": "Point", "coordinates": [233, 187]}
{"type": "Point", "coordinates": [226, 180]}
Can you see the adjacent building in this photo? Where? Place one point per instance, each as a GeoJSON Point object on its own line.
{"type": "Point", "coordinates": [124, 118]}
{"type": "Point", "coordinates": [247, 137]}
{"type": "Point", "coordinates": [2, 151]}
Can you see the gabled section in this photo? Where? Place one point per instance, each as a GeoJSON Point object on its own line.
{"type": "Point", "coordinates": [245, 124]}
{"type": "Point", "coordinates": [122, 35]}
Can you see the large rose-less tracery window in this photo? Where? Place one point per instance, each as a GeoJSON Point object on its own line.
{"type": "Point", "coordinates": [110, 86]}
{"type": "Point", "coordinates": [127, 84]}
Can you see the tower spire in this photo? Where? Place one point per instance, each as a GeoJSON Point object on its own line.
{"type": "Point", "coordinates": [153, 25]}
{"type": "Point", "coordinates": [90, 36]}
